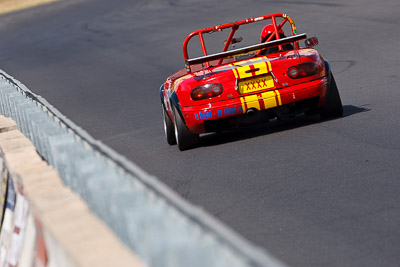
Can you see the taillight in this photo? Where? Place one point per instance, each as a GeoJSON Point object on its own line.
{"type": "Point", "coordinates": [205, 91]}
{"type": "Point", "coordinates": [302, 70]}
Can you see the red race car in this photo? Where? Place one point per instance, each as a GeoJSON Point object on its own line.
{"type": "Point", "coordinates": [275, 78]}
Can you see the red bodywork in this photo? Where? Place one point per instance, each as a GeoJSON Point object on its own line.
{"type": "Point", "coordinates": [257, 83]}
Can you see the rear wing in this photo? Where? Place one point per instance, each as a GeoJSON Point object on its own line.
{"type": "Point", "coordinates": [234, 27]}
{"type": "Point", "coordinates": [244, 50]}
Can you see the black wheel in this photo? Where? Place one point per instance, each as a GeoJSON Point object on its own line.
{"type": "Point", "coordinates": [168, 128]}
{"type": "Point", "coordinates": [184, 138]}
{"type": "Point", "coordinates": [333, 104]}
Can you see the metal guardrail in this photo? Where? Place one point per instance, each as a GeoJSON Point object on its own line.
{"type": "Point", "coordinates": [33, 206]}
{"type": "Point", "coordinates": [162, 228]}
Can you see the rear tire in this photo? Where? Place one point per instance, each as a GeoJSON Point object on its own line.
{"type": "Point", "coordinates": [333, 105]}
{"type": "Point", "coordinates": [168, 128]}
{"type": "Point", "coordinates": [184, 138]}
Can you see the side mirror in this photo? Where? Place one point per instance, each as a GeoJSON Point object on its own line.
{"type": "Point", "coordinates": [311, 42]}
{"type": "Point", "coordinates": [235, 40]}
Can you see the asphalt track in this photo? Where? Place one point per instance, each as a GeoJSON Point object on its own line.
{"type": "Point", "coordinates": [312, 192]}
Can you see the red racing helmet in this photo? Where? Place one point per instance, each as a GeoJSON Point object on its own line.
{"type": "Point", "coordinates": [268, 30]}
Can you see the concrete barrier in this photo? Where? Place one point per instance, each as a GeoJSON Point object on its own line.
{"type": "Point", "coordinates": [45, 223]}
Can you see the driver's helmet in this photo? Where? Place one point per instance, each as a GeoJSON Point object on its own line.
{"type": "Point", "coordinates": [267, 31]}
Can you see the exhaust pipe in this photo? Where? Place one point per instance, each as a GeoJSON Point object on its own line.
{"type": "Point", "coordinates": [251, 112]}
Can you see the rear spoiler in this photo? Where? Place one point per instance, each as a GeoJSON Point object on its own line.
{"type": "Point", "coordinates": [244, 50]}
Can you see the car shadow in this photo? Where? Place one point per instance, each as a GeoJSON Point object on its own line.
{"type": "Point", "coordinates": [273, 127]}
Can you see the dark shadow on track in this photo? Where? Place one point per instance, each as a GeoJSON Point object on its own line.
{"type": "Point", "coordinates": [272, 127]}
{"type": "Point", "coordinates": [349, 110]}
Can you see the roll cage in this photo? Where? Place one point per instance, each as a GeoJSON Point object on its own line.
{"type": "Point", "coordinates": [234, 27]}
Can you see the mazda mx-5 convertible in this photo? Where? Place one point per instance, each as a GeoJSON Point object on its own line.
{"type": "Point", "coordinates": [272, 79]}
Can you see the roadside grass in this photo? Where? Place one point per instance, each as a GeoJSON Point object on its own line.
{"type": "Point", "coordinates": [9, 6]}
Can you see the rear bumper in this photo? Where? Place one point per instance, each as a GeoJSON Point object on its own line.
{"type": "Point", "coordinates": [195, 116]}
